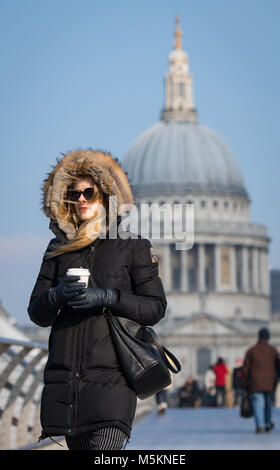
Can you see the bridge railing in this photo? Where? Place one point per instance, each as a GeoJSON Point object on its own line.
{"type": "Point", "coordinates": [21, 381]}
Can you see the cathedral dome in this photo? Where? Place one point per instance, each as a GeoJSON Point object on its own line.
{"type": "Point", "coordinates": [181, 157]}
{"type": "Point", "coordinates": [178, 155]}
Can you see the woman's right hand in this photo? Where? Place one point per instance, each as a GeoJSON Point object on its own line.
{"type": "Point", "coordinates": [66, 290]}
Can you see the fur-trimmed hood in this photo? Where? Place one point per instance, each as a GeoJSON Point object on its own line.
{"type": "Point", "coordinates": [105, 170]}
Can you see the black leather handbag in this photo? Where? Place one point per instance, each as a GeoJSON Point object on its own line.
{"type": "Point", "coordinates": [143, 360]}
{"type": "Point", "coordinates": [246, 407]}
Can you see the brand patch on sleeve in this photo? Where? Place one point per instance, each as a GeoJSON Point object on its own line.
{"type": "Point", "coordinates": [153, 255]}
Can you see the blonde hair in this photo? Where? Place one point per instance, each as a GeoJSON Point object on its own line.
{"type": "Point", "coordinates": [86, 231]}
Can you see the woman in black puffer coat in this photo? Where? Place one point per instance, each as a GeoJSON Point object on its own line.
{"type": "Point", "coordinates": [85, 396]}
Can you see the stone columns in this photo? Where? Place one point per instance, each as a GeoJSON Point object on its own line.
{"type": "Point", "coordinates": [245, 270]}
{"type": "Point", "coordinates": [260, 271]}
{"type": "Point", "coordinates": [255, 273]}
{"type": "Point", "coordinates": [201, 267]}
{"type": "Point", "coordinates": [184, 271]}
{"type": "Point", "coordinates": [167, 267]}
{"type": "Point", "coordinates": [265, 275]}
{"type": "Point", "coordinates": [217, 261]}
{"type": "Point", "coordinates": [233, 274]}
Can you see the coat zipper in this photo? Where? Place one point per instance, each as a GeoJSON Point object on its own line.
{"type": "Point", "coordinates": [78, 359]}
{"type": "Point", "coordinates": [75, 382]}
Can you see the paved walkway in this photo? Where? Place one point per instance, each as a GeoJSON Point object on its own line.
{"type": "Point", "coordinates": [202, 429]}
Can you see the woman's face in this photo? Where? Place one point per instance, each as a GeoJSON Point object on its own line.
{"type": "Point", "coordinates": [85, 209]}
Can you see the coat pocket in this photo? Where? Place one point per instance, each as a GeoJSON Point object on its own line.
{"type": "Point", "coordinates": [60, 347]}
{"type": "Point", "coordinates": [56, 406]}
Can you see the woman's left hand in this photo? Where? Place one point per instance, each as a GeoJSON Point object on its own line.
{"type": "Point", "coordinates": [94, 297]}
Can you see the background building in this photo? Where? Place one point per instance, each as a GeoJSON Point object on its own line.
{"type": "Point", "coordinates": [275, 293]}
{"type": "Point", "coordinates": [218, 291]}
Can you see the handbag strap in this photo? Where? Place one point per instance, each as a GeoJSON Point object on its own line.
{"type": "Point", "coordinates": [163, 351]}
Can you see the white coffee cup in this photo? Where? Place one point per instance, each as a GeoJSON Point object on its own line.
{"type": "Point", "coordinates": [82, 272]}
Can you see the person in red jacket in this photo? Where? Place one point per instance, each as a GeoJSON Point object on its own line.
{"type": "Point", "coordinates": [221, 371]}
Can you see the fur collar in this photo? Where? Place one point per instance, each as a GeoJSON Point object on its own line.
{"type": "Point", "coordinates": [101, 166]}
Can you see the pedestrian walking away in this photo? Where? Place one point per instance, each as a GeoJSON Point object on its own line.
{"type": "Point", "coordinates": [161, 401]}
{"type": "Point", "coordinates": [189, 394]}
{"type": "Point", "coordinates": [237, 381]}
{"type": "Point", "coordinates": [260, 373]}
{"type": "Point", "coordinates": [221, 371]}
{"type": "Point", "coordinates": [210, 387]}
{"type": "Point", "coordinates": [85, 396]}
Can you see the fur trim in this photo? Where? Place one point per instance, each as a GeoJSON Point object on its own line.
{"type": "Point", "coordinates": [101, 166]}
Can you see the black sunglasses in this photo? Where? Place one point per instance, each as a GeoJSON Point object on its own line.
{"type": "Point", "coordinates": [74, 194]}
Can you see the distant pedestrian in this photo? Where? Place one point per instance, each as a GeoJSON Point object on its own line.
{"type": "Point", "coordinates": [228, 387]}
{"type": "Point", "coordinates": [237, 381]}
{"type": "Point", "coordinates": [161, 401]}
{"type": "Point", "coordinates": [189, 394]}
{"type": "Point", "coordinates": [210, 387]}
{"type": "Point", "coordinates": [162, 396]}
{"type": "Point", "coordinates": [260, 371]}
{"type": "Point", "coordinates": [221, 371]}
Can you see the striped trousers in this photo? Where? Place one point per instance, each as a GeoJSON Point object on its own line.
{"type": "Point", "coordinates": [110, 438]}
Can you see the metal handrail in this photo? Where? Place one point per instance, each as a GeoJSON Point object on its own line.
{"type": "Point", "coordinates": [21, 381]}
{"type": "Point", "coordinates": [19, 342]}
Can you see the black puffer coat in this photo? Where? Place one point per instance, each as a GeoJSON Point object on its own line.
{"type": "Point", "coordinates": [84, 387]}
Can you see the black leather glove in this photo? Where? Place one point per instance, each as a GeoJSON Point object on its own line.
{"type": "Point", "coordinates": [67, 289]}
{"type": "Point", "coordinates": [94, 297]}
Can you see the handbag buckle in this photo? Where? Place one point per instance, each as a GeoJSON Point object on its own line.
{"type": "Point", "coordinates": [106, 312]}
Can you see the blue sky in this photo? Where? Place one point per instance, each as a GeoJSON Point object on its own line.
{"type": "Point", "coordinates": [87, 73]}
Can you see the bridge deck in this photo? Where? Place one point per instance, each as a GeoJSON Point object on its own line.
{"type": "Point", "coordinates": [198, 429]}
{"type": "Point", "coordinates": [202, 429]}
